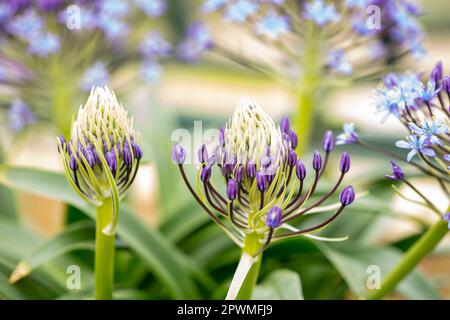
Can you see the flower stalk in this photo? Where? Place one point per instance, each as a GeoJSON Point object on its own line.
{"type": "Point", "coordinates": [104, 253]}
{"type": "Point", "coordinates": [421, 248]}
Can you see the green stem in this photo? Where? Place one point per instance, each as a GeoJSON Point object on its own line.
{"type": "Point", "coordinates": [424, 246]}
{"type": "Point", "coordinates": [308, 88]}
{"type": "Point", "coordinates": [104, 253]}
{"type": "Point", "coordinates": [248, 269]}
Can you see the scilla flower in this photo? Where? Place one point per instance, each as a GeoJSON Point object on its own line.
{"type": "Point", "coordinates": [100, 161]}
{"type": "Point", "coordinates": [266, 190]}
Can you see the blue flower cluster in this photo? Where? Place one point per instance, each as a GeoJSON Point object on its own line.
{"type": "Point", "coordinates": [422, 107]}
{"type": "Point", "coordinates": [385, 29]}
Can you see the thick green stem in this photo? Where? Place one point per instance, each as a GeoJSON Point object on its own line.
{"type": "Point", "coordinates": [104, 253]}
{"type": "Point", "coordinates": [248, 269]}
{"type": "Point", "coordinates": [424, 246]}
{"type": "Point", "coordinates": [308, 88]}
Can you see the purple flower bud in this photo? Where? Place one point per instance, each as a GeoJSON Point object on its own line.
{"type": "Point", "coordinates": [251, 169]}
{"type": "Point", "coordinates": [294, 139]}
{"type": "Point", "coordinates": [274, 217]}
{"type": "Point", "coordinates": [87, 153]}
{"type": "Point", "coordinates": [446, 217]}
{"type": "Point", "coordinates": [178, 154]}
{"type": "Point", "coordinates": [261, 181]}
{"type": "Point", "coordinates": [285, 125]}
{"type": "Point", "coordinates": [436, 73]}
{"type": "Point", "coordinates": [328, 141]}
{"type": "Point", "coordinates": [446, 84]}
{"type": "Point", "coordinates": [202, 154]}
{"type": "Point", "coordinates": [232, 189]}
{"type": "Point", "coordinates": [111, 161]}
{"type": "Point", "coordinates": [266, 161]}
{"type": "Point", "coordinates": [73, 164]}
{"type": "Point", "coordinates": [62, 140]}
{"type": "Point", "coordinates": [206, 173]}
{"type": "Point", "coordinates": [127, 158]}
{"type": "Point", "coordinates": [317, 161]}
{"type": "Point", "coordinates": [292, 158]}
{"type": "Point", "coordinates": [345, 162]}
{"type": "Point", "coordinates": [240, 174]}
{"type": "Point", "coordinates": [137, 151]}
{"type": "Point", "coordinates": [347, 196]}
{"type": "Point", "coordinates": [397, 172]}
{"type": "Point", "coordinates": [300, 170]}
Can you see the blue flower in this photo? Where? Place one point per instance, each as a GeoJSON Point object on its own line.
{"type": "Point", "coordinates": [151, 71]}
{"type": "Point", "coordinates": [97, 75]}
{"type": "Point", "coordinates": [112, 27]}
{"type": "Point", "coordinates": [197, 41]}
{"type": "Point", "coordinates": [152, 8]}
{"type": "Point", "coordinates": [114, 8]}
{"type": "Point", "coordinates": [428, 93]}
{"type": "Point", "coordinates": [338, 62]}
{"type": "Point", "coordinates": [154, 45]}
{"type": "Point", "coordinates": [26, 25]}
{"type": "Point", "coordinates": [213, 5]}
{"type": "Point", "coordinates": [349, 136]}
{"type": "Point", "coordinates": [44, 44]}
{"type": "Point", "coordinates": [20, 115]}
{"type": "Point", "coordinates": [416, 145]}
{"type": "Point", "coordinates": [357, 3]}
{"type": "Point", "coordinates": [272, 25]}
{"type": "Point", "coordinates": [430, 130]}
{"type": "Point", "coordinates": [320, 12]}
{"type": "Point", "coordinates": [240, 10]}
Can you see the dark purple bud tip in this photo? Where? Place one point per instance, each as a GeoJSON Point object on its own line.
{"type": "Point", "coordinates": [178, 154]}
{"type": "Point", "coordinates": [62, 140]}
{"type": "Point", "coordinates": [261, 181]}
{"type": "Point", "coordinates": [240, 174]}
{"type": "Point", "coordinates": [137, 151]}
{"type": "Point", "coordinates": [317, 161]}
{"type": "Point", "coordinates": [89, 156]}
{"type": "Point", "coordinates": [292, 158]}
{"type": "Point", "coordinates": [436, 73]}
{"type": "Point", "coordinates": [251, 169]}
{"type": "Point", "coordinates": [232, 189]}
{"type": "Point", "coordinates": [446, 84]}
{"type": "Point", "coordinates": [202, 154]}
{"type": "Point", "coordinates": [294, 139]}
{"type": "Point", "coordinates": [347, 196]}
{"type": "Point", "coordinates": [111, 160]}
{"type": "Point", "coordinates": [345, 162]}
{"type": "Point", "coordinates": [328, 141]}
{"type": "Point", "coordinates": [300, 170]}
{"type": "Point", "coordinates": [127, 158]}
{"type": "Point", "coordinates": [397, 172]}
{"type": "Point", "coordinates": [285, 125]}
{"type": "Point", "coordinates": [73, 164]}
{"type": "Point", "coordinates": [274, 217]}
{"type": "Point", "coordinates": [206, 173]}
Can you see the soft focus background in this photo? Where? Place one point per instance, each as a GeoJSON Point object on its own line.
{"type": "Point", "coordinates": [174, 228]}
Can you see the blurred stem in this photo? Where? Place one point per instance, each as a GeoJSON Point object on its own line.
{"type": "Point", "coordinates": [61, 95]}
{"type": "Point", "coordinates": [104, 253]}
{"type": "Point", "coordinates": [308, 88]}
{"type": "Point", "coordinates": [246, 275]}
{"type": "Point", "coordinates": [421, 248]}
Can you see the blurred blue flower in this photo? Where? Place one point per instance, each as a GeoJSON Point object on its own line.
{"type": "Point", "coordinates": [338, 62]}
{"type": "Point", "coordinates": [3, 72]}
{"type": "Point", "coordinates": [320, 12]}
{"type": "Point", "coordinates": [213, 5]}
{"type": "Point", "coordinates": [349, 136]}
{"type": "Point", "coordinates": [26, 25]}
{"type": "Point", "coordinates": [430, 130]}
{"type": "Point", "coordinates": [152, 8]}
{"type": "Point", "coordinates": [272, 25]}
{"type": "Point", "coordinates": [357, 3]}
{"type": "Point", "coordinates": [429, 92]}
{"type": "Point", "coordinates": [112, 27]}
{"type": "Point", "coordinates": [416, 145]}
{"type": "Point", "coordinates": [114, 9]}
{"type": "Point", "coordinates": [151, 71]}
{"type": "Point", "coordinates": [5, 12]}
{"type": "Point", "coordinates": [97, 75]}
{"type": "Point", "coordinates": [44, 44]}
{"type": "Point", "coordinates": [240, 10]}
{"type": "Point", "coordinates": [20, 115]}
{"type": "Point", "coordinates": [154, 45]}
{"type": "Point", "coordinates": [197, 41]}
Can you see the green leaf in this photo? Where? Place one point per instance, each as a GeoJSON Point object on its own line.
{"type": "Point", "coordinates": [282, 284]}
{"type": "Point", "coordinates": [353, 260]}
{"type": "Point", "coordinates": [79, 236]}
{"type": "Point", "coordinates": [169, 265]}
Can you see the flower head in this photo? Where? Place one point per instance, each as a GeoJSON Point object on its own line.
{"type": "Point", "coordinates": [349, 136]}
{"type": "Point", "coordinates": [102, 157]}
{"type": "Point", "coordinates": [265, 180]}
